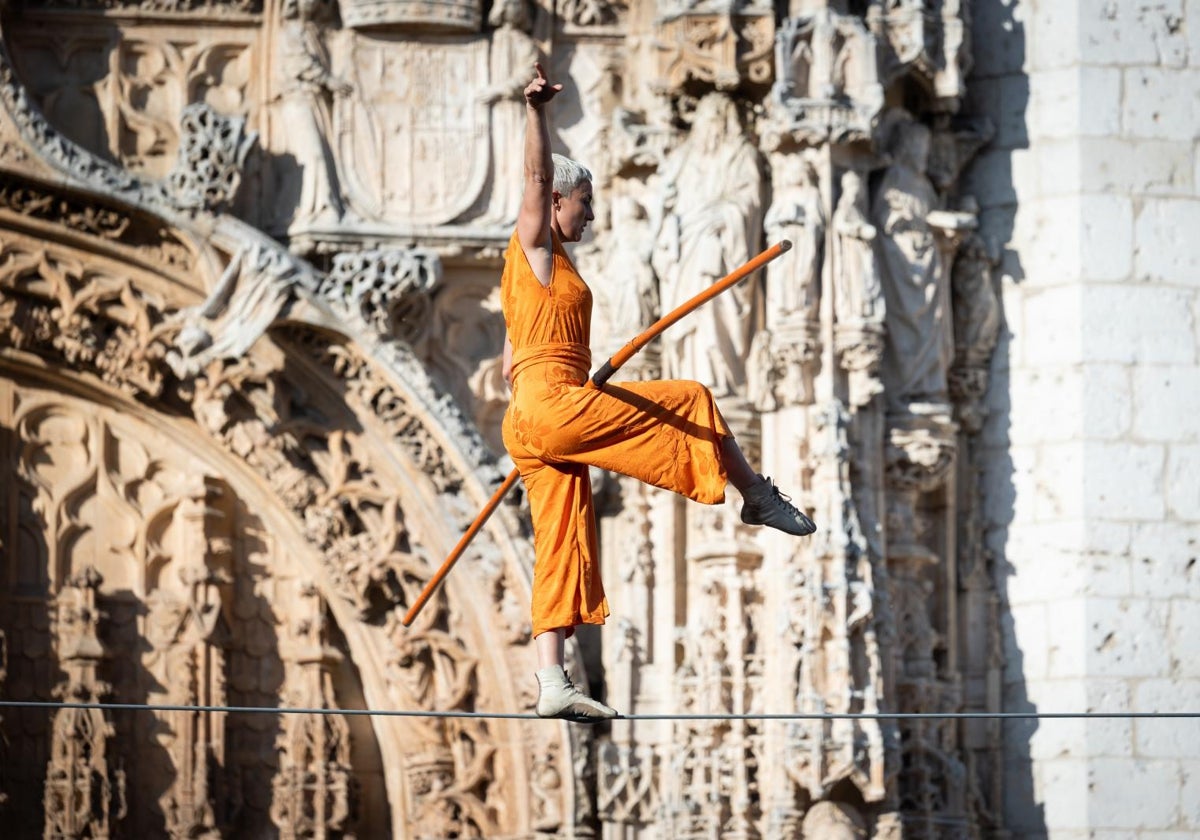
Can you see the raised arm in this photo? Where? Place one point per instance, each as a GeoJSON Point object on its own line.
{"type": "Point", "coordinates": [533, 222]}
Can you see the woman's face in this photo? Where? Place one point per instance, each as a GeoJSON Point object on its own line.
{"type": "Point", "coordinates": [573, 212]}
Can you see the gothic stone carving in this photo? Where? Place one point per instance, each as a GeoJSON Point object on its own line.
{"type": "Point", "coordinates": [418, 15]}
{"type": "Point", "coordinates": [189, 579]}
{"type": "Point", "coordinates": [828, 81]}
{"type": "Point", "coordinates": [858, 297]}
{"type": "Point", "coordinates": [259, 281]}
{"type": "Point", "coordinates": [976, 329]}
{"type": "Point", "coordinates": [170, 7]}
{"type": "Point", "coordinates": [786, 355]}
{"type": "Point", "coordinates": [94, 318]}
{"type": "Point", "coordinates": [85, 797]}
{"type": "Point", "coordinates": [314, 791]}
{"type": "Point", "coordinates": [120, 94]}
{"type": "Point", "coordinates": [408, 158]}
{"type": "Point", "coordinates": [721, 48]}
{"type": "Point", "coordinates": [710, 220]}
{"type": "Point", "coordinates": [309, 91]}
{"type": "Point", "coordinates": [212, 152]}
{"type": "Point", "coordinates": [926, 41]}
{"type": "Point", "coordinates": [511, 57]}
{"type": "Point", "coordinates": [92, 218]}
{"type": "Point", "coordinates": [589, 16]}
{"type": "Point", "coordinates": [915, 281]}
{"type": "Point", "coordinates": [389, 290]}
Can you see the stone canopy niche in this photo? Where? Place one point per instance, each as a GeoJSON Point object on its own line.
{"type": "Point", "coordinates": [412, 15]}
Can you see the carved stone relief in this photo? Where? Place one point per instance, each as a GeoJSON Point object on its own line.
{"type": "Point", "coordinates": [314, 789]}
{"type": "Point", "coordinates": [310, 191]}
{"type": "Point", "coordinates": [828, 78]}
{"type": "Point", "coordinates": [415, 147]}
{"type": "Point", "coordinates": [719, 47]}
{"type": "Point", "coordinates": [120, 93]}
{"type": "Point", "coordinates": [510, 63]}
{"type": "Point", "coordinates": [389, 290]}
{"type": "Point", "coordinates": [710, 214]}
{"type": "Point", "coordinates": [419, 15]}
{"type": "Point", "coordinates": [84, 795]}
{"type": "Point", "coordinates": [212, 152]}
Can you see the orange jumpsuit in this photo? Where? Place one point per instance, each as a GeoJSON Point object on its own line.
{"type": "Point", "coordinates": [665, 433]}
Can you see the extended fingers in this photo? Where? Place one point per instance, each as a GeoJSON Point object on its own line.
{"type": "Point", "coordinates": [540, 90]}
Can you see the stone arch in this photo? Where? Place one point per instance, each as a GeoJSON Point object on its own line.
{"type": "Point", "coordinates": [328, 438]}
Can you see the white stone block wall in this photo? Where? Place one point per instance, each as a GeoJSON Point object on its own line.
{"type": "Point", "coordinates": [1093, 480]}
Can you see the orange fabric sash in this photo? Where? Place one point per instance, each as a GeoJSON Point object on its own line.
{"type": "Point", "coordinates": [578, 356]}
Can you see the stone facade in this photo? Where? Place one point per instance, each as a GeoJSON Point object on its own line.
{"type": "Point", "coordinates": [1091, 180]}
{"type": "Point", "coordinates": [250, 396]}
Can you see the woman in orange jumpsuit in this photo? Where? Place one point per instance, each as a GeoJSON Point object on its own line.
{"type": "Point", "coordinates": [669, 434]}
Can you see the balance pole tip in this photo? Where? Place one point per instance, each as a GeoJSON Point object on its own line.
{"type": "Point", "coordinates": [785, 245]}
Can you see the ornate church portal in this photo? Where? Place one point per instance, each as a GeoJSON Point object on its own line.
{"type": "Point", "coordinates": [250, 397]}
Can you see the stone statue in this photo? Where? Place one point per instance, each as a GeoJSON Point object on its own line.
{"type": "Point", "coordinates": [305, 111]}
{"type": "Point", "coordinates": [627, 300]}
{"type": "Point", "coordinates": [513, 52]}
{"type": "Point", "coordinates": [857, 297]}
{"type": "Point", "coordinates": [976, 328]}
{"type": "Point", "coordinates": [920, 339]}
{"type": "Point", "coordinates": [794, 284]}
{"type": "Point", "coordinates": [710, 224]}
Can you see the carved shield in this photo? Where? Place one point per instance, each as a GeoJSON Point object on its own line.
{"type": "Point", "coordinates": [413, 135]}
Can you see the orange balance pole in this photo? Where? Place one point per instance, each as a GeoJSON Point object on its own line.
{"type": "Point", "coordinates": [598, 379]}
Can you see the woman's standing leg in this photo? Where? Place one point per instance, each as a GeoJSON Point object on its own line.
{"type": "Point", "coordinates": [557, 695]}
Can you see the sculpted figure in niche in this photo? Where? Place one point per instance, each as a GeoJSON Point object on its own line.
{"type": "Point", "coordinates": [920, 339]}
{"type": "Point", "coordinates": [812, 60]}
{"type": "Point", "coordinates": [710, 224]}
{"type": "Point", "coordinates": [512, 53]}
{"type": "Point", "coordinates": [794, 285]}
{"type": "Point", "coordinates": [859, 297]}
{"type": "Point", "coordinates": [627, 300]}
{"type": "Point", "coordinates": [312, 193]}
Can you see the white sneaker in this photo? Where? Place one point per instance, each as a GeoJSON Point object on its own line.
{"type": "Point", "coordinates": [763, 504]}
{"type": "Point", "coordinates": [559, 698]}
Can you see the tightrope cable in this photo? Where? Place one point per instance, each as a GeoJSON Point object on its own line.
{"type": "Point", "coordinates": [714, 716]}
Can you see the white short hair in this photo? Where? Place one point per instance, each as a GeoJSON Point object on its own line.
{"type": "Point", "coordinates": [569, 175]}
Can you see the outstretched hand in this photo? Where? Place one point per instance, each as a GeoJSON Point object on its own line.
{"type": "Point", "coordinates": [540, 91]}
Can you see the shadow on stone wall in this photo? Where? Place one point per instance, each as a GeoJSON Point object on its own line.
{"type": "Point", "coordinates": [998, 87]}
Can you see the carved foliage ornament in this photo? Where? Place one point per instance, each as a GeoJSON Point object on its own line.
{"type": "Point", "coordinates": [94, 218]}
{"type": "Point", "coordinates": [51, 304]}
